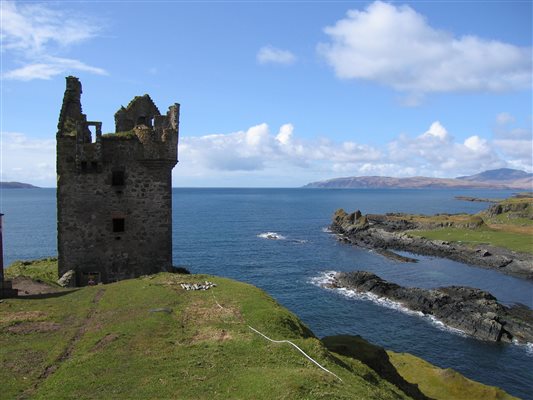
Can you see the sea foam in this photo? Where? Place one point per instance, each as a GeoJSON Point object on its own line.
{"type": "Point", "coordinates": [271, 236]}
{"type": "Point", "coordinates": [326, 279]}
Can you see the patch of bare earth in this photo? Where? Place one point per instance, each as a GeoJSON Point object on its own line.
{"type": "Point", "coordinates": [21, 316]}
{"type": "Point", "coordinates": [28, 287]}
{"type": "Point", "coordinates": [34, 327]}
{"type": "Point", "coordinates": [211, 335]}
{"type": "Point", "coordinates": [211, 312]}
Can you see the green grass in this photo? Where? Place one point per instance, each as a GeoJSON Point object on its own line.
{"type": "Point", "coordinates": [512, 229]}
{"type": "Point", "coordinates": [196, 351]}
{"type": "Point", "coordinates": [442, 384]}
{"type": "Point", "coordinates": [509, 240]}
{"type": "Point", "coordinates": [202, 348]}
{"type": "Point", "coordinates": [44, 270]}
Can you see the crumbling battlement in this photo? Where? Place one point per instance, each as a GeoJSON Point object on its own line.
{"type": "Point", "coordinates": [114, 193]}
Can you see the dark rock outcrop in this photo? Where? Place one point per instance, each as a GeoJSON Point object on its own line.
{"type": "Point", "coordinates": [388, 232]}
{"type": "Point", "coordinates": [473, 311]}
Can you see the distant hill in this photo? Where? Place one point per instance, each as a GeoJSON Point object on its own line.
{"type": "Point", "coordinates": [504, 178]}
{"type": "Point", "coordinates": [16, 185]}
{"type": "Point", "coordinates": [498, 175]}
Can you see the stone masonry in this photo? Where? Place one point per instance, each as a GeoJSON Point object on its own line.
{"type": "Point", "coordinates": [114, 195]}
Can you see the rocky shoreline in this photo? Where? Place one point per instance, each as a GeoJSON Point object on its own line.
{"type": "Point", "coordinates": [388, 232]}
{"type": "Point", "coordinates": [473, 311]}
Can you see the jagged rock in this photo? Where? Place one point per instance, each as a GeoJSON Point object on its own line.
{"type": "Point", "coordinates": [68, 279]}
{"type": "Point", "coordinates": [473, 311]}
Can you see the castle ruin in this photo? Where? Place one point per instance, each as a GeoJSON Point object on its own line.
{"type": "Point", "coordinates": [114, 193]}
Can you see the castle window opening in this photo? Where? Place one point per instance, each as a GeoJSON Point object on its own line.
{"type": "Point", "coordinates": [119, 225]}
{"type": "Point", "coordinates": [83, 166]}
{"type": "Point", "coordinates": [117, 178]}
{"type": "Point", "coordinates": [141, 120]}
{"type": "Point", "coordinates": [94, 165]}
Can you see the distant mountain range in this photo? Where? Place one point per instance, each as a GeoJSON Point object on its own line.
{"type": "Point", "coordinates": [16, 185]}
{"type": "Point", "coordinates": [503, 178]}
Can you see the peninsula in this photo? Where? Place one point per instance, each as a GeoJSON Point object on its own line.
{"type": "Point", "coordinates": [16, 185]}
{"type": "Point", "coordinates": [499, 238]}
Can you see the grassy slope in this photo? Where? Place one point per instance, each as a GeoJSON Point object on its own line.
{"type": "Point", "coordinates": [442, 384]}
{"type": "Point", "coordinates": [104, 342]}
{"type": "Point", "coordinates": [44, 270]}
{"type": "Point", "coordinates": [117, 348]}
{"type": "Point", "coordinates": [511, 230]}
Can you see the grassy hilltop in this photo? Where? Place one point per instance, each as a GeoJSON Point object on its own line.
{"type": "Point", "coordinates": [149, 338]}
{"type": "Point", "coordinates": [508, 224]}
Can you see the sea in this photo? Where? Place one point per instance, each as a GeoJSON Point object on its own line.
{"type": "Point", "coordinates": [278, 240]}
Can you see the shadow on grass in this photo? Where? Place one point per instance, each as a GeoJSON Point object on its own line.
{"type": "Point", "coordinates": [46, 295]}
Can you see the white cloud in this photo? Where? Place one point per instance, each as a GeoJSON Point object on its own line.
{"type": "Point", "coordinates": [395, 46]}
{"type": "Point", "coordinates": [25, 159]}
{"type": "Point", "coordinates": [34, 33]}
{"type": "Point", "coordinates": [257, 149]}
{"type": "Point", "coordinates": [258, 157]}
{"type": "Point", "coordinates": [285, 134]}
{"type": "Point", "coordinates": [272, 55]}
{"type": "Point", "coordinates": [54, 66]}
{"type": "Point", "coordinates": [437, 130]}
{"type": "Point", "coordinates": [283, 155]}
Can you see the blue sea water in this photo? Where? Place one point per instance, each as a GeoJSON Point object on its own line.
{"type": "Point", "coordinates": [218, 231]}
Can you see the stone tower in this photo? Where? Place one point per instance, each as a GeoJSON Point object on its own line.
{"type": "Point", "coordinates": [114, 194]}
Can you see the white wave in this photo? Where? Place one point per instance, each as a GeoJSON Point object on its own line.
{"type": "Point", "coordinates": [271, 236]}
{"type": "Point", "coordinates": [326, 279]}
{"type": "Point", "coordinates": [327, 229]}
{"type": "Point", "coordinates": [299, 241]}
{"type": "Point", "coordinates": [528, 346]}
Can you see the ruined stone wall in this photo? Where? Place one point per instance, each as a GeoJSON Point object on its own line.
{"type": "Point", "coordinates": [101, 183]}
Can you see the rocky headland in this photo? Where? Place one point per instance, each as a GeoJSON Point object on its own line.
{"type": "Point", "coordinates": [397, 231]}
{"type": "Point", "coordinates": [473, 311]}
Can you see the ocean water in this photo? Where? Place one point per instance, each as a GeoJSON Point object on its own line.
{"type": "Point", "coordinates": [229, 232]}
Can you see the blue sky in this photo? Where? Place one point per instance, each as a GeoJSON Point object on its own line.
{"type": "Point", "coordinates": [280, 93]}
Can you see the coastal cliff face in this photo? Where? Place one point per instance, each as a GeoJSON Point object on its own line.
{"type": "Point", "coordinates": [391, 232]}
{"type": "Point", "coordinates": [473, 311]}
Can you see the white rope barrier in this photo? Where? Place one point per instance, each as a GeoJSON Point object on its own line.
{"type": "Point", "coordinates": [300, 350]}
{"type": "Point", "coordinates": [284, 341]}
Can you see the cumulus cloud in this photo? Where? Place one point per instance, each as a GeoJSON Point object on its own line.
{"type": "Point", "coordinates": [26, 159]}
{"type": "Point", "coordinates": [273, 55]}
{"type": "Point", "coordinates": [258, 149]}
{"type": "Point", "coordinates": [395, 46]}
{"type": "Point", "coordinates": [259, 156]}
{"type": "Point", "coordinates": [284, 155]}
{"type": "Point", "coordinates": [437, 153]}
{"type": "Point", "coordinates": [34, 34]}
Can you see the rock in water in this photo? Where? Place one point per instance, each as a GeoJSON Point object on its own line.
{"type": "Point", "coordinates": [473, 311]}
